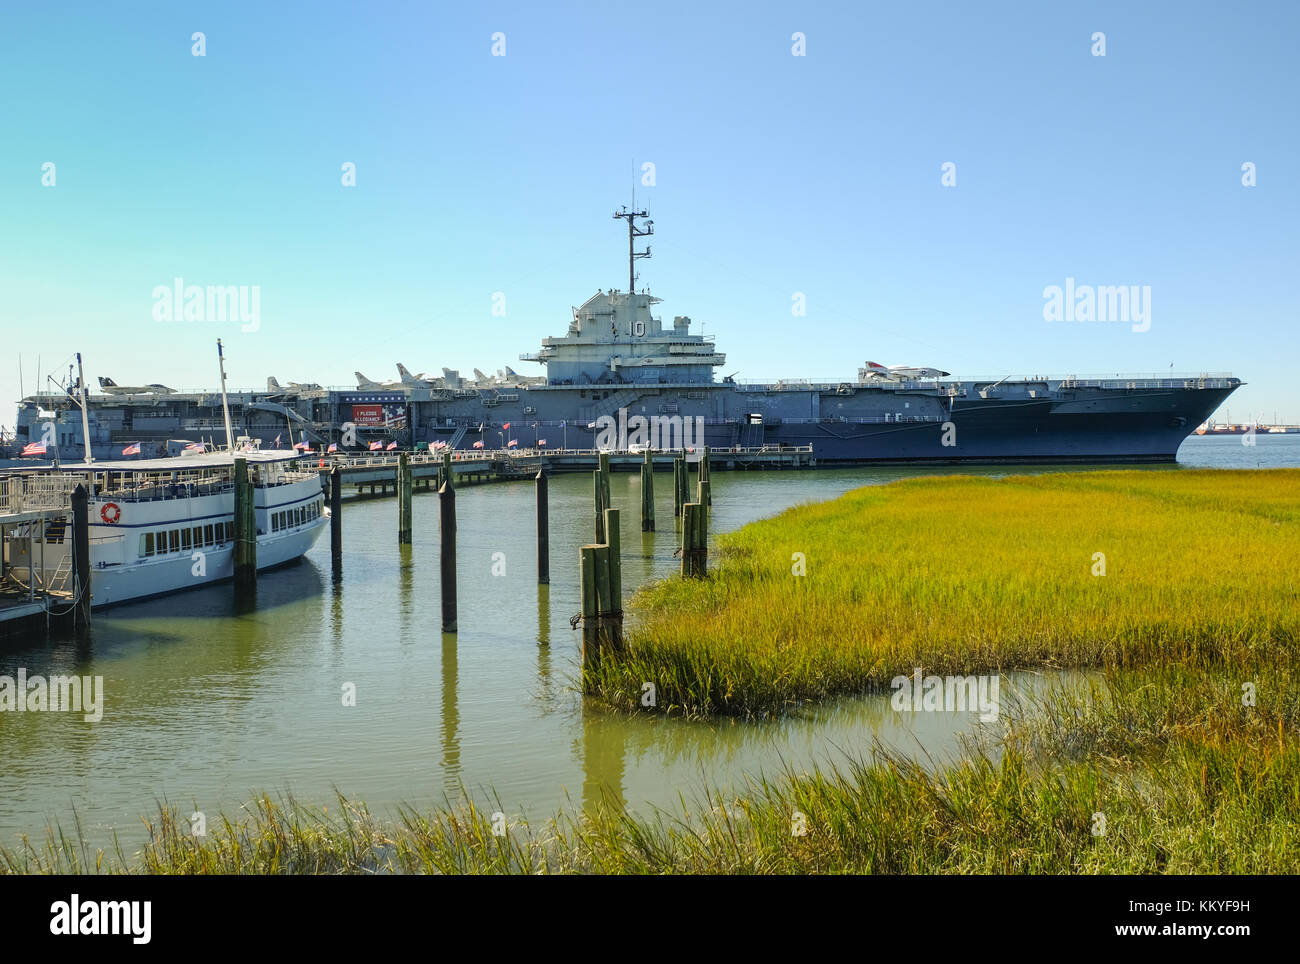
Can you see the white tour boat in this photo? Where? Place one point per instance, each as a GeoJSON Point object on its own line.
{"type": "Point", "coordinates": [162, 525]}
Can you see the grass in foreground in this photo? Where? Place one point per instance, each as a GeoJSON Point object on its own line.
{"type": "Point", "coordinates": [1186, 778]}
{"type": "Point", "coordinates": [968, 574]}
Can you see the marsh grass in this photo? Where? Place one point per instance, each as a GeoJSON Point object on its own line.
{"type": "Point", "coordinates": [1188, 781]}
{"type": "Point", "coordinates": [970, 574]}
{"type": "Point", "coordinates": [1199, 600]}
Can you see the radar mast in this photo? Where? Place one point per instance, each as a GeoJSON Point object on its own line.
{"type": "Point", "coordinates": [633, 232]}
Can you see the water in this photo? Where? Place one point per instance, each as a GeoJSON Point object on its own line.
{"type": "Point", "coordinates": [207, 705]}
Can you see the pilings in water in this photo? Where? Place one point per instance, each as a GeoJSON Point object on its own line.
{"type": "Point", "coordinates": [601, 585]}
{"type": "Point", "coordinates": [245, 530]}
{"type": "Point", "coordinates": [336, 521]}
{"type": "Point", "coordinates": [543, 530]}
{"type": "Point", "coordinates": [647, 493]}
{"type": "Point", "coordinates": [679, 485]}
{"type": "Point", "coordinates": [447, 515]}
{"type": "Point", "coordinates": [403, 500]}
{"type": "Point", "coordinates": [600, 482]}
{"type": "Point", "coordinates": [695, 536]}
{"type": "Point", "coordinates": [702, 470]}
{"type": "Point", "coordinates": [81, 548]}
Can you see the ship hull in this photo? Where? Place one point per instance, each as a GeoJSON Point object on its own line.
{"type": "Point", "coordinates": [1062, 426]}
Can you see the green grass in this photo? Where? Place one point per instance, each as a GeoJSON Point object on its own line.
{"type": "Point", "coordinates": [954, 575]}
{"type": "Point", "coordinates": [1187, 779]}
{"type": "Point", "coordinates": [967, 574]}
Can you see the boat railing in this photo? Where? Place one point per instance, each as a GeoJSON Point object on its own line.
{"type": "Point", "coordinates": [33, 492]}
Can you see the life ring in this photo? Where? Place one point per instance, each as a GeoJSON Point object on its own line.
{"type": "Point", "coordinates": [110, 513]}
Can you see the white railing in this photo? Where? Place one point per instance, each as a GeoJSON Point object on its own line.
{"type": "Point", "coordinates": [33, 493]}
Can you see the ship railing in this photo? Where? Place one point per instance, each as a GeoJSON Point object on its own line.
{"type": "Point", "coordinates": [31, 493]}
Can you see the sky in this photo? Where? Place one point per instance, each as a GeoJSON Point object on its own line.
{"type": "Point", "coordinates": [789, 174]}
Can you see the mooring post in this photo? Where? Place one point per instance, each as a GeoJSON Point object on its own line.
{"type": "Point", "coordinates": [695, 539]}
{"type": "Point", "coordinates": [336, 519]}
{"type": "Point", "coordinates": [647, 493]}
{"type": "Point", "coordinates": [702, 497]}
{"type": "Point", "coordinates": [245, 530]}
{"type": "Point", "coordinates": [81, 546]}
{"type": "Point", "coordinates": [543, 530]}
{"type": "Point", "coordinates": [704, 472]}
{"type": "Point", "coordinates": [447, 513]}
{"type": "Point", "coordinates": [590, 606]}
{"type": "Point", "coordinates": [614, 613]}
{"type": "Point", "coordinates": [403, 500]}
{"type": "Point", "coordinates": [601, 505]}
{"type": "Point", "coordinates": [679, 485]}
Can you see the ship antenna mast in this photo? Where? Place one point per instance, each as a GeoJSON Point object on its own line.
{"type": "Point", "coordinates": [633, 232]}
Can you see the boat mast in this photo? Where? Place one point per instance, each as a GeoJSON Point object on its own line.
{"type": "Point", "coordinates": [225, 406]}
{"type": "Point", "coordinates": [634, 232]}
{"type": "Point", "coordinates": [85, 417]}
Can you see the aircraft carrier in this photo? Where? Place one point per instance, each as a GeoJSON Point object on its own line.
{"type": "Point", "coordinates": [619, 365]}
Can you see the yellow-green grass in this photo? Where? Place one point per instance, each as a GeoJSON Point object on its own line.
{"type": "Point", "coordinates": [1186, 778]}
{"type": "Point", "coordinates": [966, 574]}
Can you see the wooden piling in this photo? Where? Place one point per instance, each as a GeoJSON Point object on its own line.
{"type": "Point", "coordinates": [543, 530]}
{"type": "Point", "coordinates": [403, 499]}
{"type": "Point", "coordinates": [647, 493]}
{"type": "Point", "coordinates": [336, 519]}
{"type": "Point", "coordinates": [702, 496]}
{"type": "Point", "coordinates": [613, 614]}
{"type": "Point", "coordinates": [590, 606]}
{"type": "Point", "coordinates": [245, 530]}
{"type": "Point", "coordinates": [695, 539]}
{"type": "Point", "coordinates": [704, 472]}
{"type": "Point", "coordinates": [598, 488]}
{"type": "Point", "coordinates": [679, 485]}
{"type": "Point", "coordinates": [447, 512]}
{"type": "Point", "coordinates": [81, 547]}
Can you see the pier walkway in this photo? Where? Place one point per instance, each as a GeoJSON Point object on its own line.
{"type": "Point", "coordinates": [378, 471]}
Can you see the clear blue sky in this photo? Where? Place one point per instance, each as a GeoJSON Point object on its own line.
{"type": "Point", "coordinates": [775, 174]}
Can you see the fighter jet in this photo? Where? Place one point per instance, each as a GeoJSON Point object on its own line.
{"type": "Point", "coordinates": [413, 381]}
{"type": "Point", "coordinates": [111, 387]}
{"type": "Point", "coordinates": [900, 372]}
{"type": "Point", "coordinates": [364, 384]}
{"type": "Point", "coordinates": [274, 387]}
{"type": "Point", "coordinates": [514, 378]}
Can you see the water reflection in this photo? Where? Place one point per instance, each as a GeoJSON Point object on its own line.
{"type": "Point", "coordinates": [211, 700]}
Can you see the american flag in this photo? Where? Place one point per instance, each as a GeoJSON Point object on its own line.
{"type": "Point", "coordinates": [302, 446]}
{"type": "Point", "coordinates": [277, 441]}
{"type": "Point", "coordinates": [34, 448]}
{"type": "Point", "coordinates": [195, 447]}
{"type": "Point", "coordinates": [334, 447]}
{"type": "Point", "coordinates": [512, 443]}
{"type": "Point", "coordinates": [376, 446]}
{"type": "Point", "coordinates": [541, 442]}
{"type": "Point", "coordinates": [132, 449]}
{"type": "Point", "coordinates": [437, 445]}
{"type": "Point", "coordinates": [478, 445]}
{"type": "Point", "coordinates": [391, 446]}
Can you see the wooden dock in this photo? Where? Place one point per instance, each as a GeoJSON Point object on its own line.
{"type": "Point", "coordinates": [377, 474]}
{"type": "Point", "coordinates": [32, 515]}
